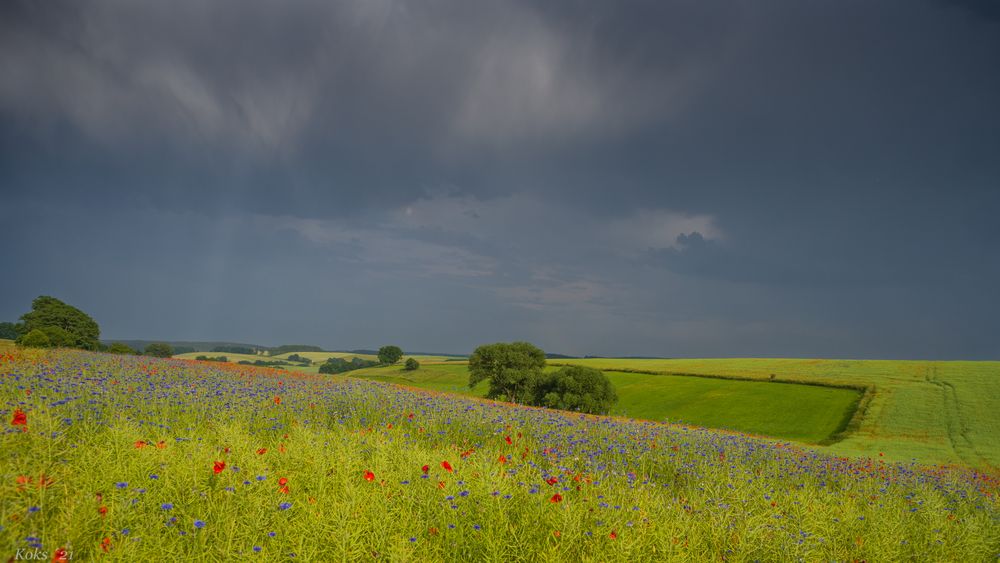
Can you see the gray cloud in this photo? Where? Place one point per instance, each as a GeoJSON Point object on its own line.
{"type": "Point", "coordinates": [636, 178]}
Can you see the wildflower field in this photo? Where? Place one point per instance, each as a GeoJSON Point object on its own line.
{"type": "Point", "coordinates": [130, 458]}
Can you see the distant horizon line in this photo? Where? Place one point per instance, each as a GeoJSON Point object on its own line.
{"type": "Point", "coordinates": [556, 355]}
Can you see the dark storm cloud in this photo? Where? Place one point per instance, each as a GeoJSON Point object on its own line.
{"type": "Point", "coordinates": [988, 9]}
{"type": "Point", "coordinates": [634, 177]}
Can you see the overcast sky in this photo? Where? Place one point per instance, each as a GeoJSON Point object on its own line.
{"type": "Point", "coordinates": [611, 178]}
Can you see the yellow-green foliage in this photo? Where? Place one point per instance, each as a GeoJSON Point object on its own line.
{"type": "Point", "coordinates": [168, 460]}
{"type": "Point", "coordinates": [807, 413]}
{"type": "Point", "coordinates": [934, 412]}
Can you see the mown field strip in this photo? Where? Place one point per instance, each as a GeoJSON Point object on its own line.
{"type": "Point", "coordinates": [806, 413]}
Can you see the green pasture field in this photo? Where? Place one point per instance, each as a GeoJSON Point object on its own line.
{"type": "Point", "coordinates": [935, 412]}
{"type": "Point", "coordinates": [805, 413]}
{"type": "Point", "coordinates": [932, 412]}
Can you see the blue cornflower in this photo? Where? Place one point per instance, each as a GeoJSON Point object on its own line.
{"type": "Point", "coordinates": [257, 548]}
{"type": "Point", "coordinates": [199, 524]}
{"type": "Point", "coordinates": [166, 506]}
{"type": "Point", "coordinates": [284, 506]}
{"type": "Point", "coordinates": [121, 485]}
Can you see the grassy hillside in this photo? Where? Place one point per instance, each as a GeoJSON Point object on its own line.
{"type": "Point", "coordinates": [934, 412]}
{"type": "Point", "coordinates": [798, 412]}
{"type": "Point", "coordinates": [937, 412]}
{"type": "Point", "coordinates": [124, 458]}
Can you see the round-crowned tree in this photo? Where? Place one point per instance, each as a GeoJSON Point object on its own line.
{"type": "Point", "coordinates": [158, 350]}
{"type": "Point", "coordinates": [412, 364]}
{"type": "Point", "coordinates": [575, 388]}
{"type": "Point", "coordinates": [389, 354]}
{"type": "Point", "coordinates": [81, 331]}
{"type": "Point", "coordinates": [511, 369]}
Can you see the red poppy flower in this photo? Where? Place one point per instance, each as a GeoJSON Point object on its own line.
{"type": "Point", "coordinates": [502, 459]}
{"type": "Point", "coordinates": [283, 481]}
{"type": "Point", "coordinates": [218, 467]}
{"type": "Point", "coordinates": [613, 535]}
{"type": "Point", "coordinates": [262, 451]}
{"type": "Point", "coordinates": [552, 480]}
{"type": "Point", "coordinates": [102, 510]}
{"type": "Point", "coordinates": [139, 444]}
{"type": "Point", "coordinates": [508, 440]}
{"type": "Point", "coordinates": [277, 400]}
{"type": "Point", "coordinates": [60, 556]}
{"type": "Point", "coordinates": [446, 466]}
{"type": "Point", "coordinates": [161, 444]}
{"type": "Point", "coordinates": [369, 476]}
{"type": "Point", "coordinates": [425, 469]}
{"type": "Point", "coordinates": [556, 498]}
{"type": "Point", "coordinates": [283, 490]}
{"type": "Point", "coordinates": [20, 419]}
{"type": "Point", "coordinates": [106, 545]}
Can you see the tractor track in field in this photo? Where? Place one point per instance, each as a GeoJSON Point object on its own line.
{"type": "Point", "coordinates": [958, 438]}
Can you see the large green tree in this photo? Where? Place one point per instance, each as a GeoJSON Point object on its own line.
{"type": "Point", "coordinates": [389, 354]}
{"type": "Point", "coordinates": [50, 312]}
{"type": "Point", "coordinates": [60, 337]}
{"type": "Point", "coordinates": [159, 350]}
{"type": "Point", "coordinates": [512, 369]}
{"type": "Point", "coordinates": [575, 388]}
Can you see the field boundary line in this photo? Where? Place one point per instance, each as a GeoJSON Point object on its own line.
{"type": "Point", "coordinates": [849, 424]}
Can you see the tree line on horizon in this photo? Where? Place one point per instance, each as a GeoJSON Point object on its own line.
{"type": "Point", "coordinates": [514, 370]}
